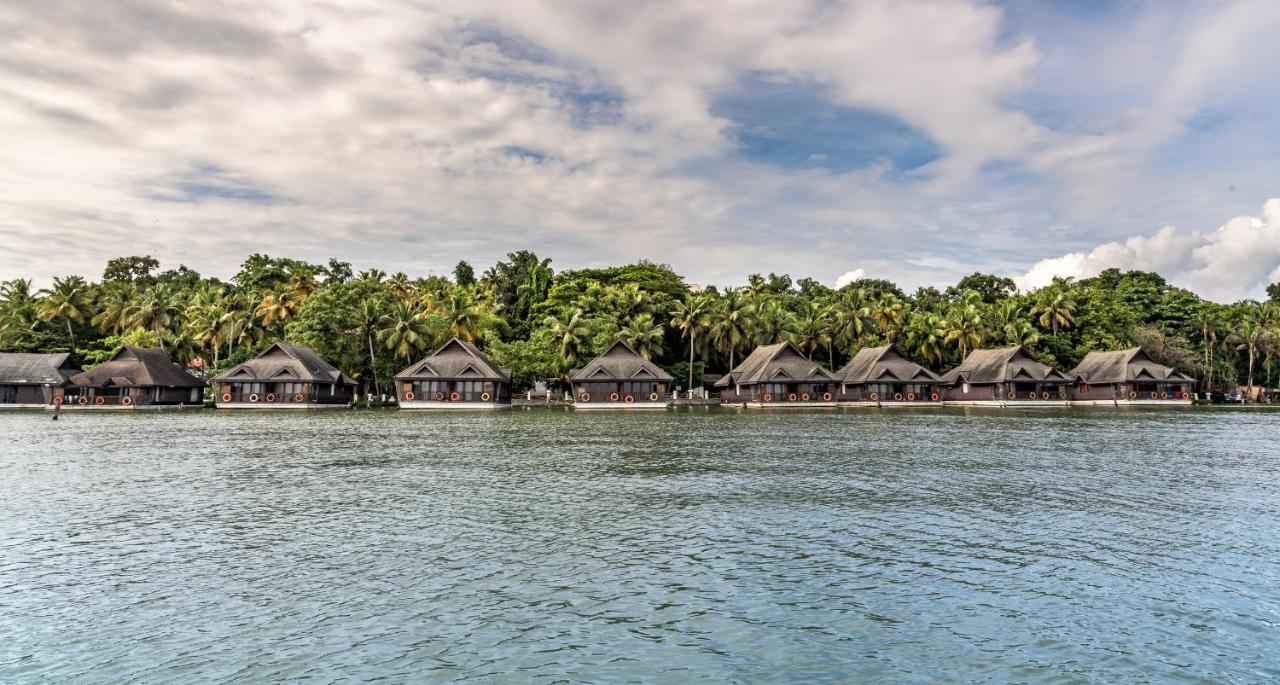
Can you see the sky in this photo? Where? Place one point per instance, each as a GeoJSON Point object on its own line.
{"type": "Point", "coordinates": [916, 141]}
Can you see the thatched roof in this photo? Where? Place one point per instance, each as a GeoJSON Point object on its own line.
{"type": "Point", "coordinates": [883, 365]}
{"type": "Point", "coordinates": [620, 363]}
{"type": "Point", "coordinates": [1124, 366]}
{"type": "Point", "coordinates": [21, 368]}
{"type": "Point", "coordinates": [283, 363]}
{"type": "Point", "coordinates": [779, 363]}
{"type": "Point", "coordinates": [456, 360]}
{"type": "Point", "coordinates": [136, 367]}
{"type": "Point", "coordinates": [1002, 365]}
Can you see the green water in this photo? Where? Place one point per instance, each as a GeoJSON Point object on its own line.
{"type": "Point", "coordinates": [906, 546]}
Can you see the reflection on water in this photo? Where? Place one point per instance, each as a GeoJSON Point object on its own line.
{"type": "Point", "coordinates": [907, 546]}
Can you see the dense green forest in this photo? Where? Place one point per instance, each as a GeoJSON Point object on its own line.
{"type": "Point", "coordinates": [541, 323]}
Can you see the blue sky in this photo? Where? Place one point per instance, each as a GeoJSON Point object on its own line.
{"type": "Point", "coordinates": [916, 141]}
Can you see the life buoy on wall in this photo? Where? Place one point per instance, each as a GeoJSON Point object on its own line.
{"type": "Point", "coordinates": [1164, 395]}
{"type": "Point", "coordinates": [1032, 395]}
{"type": "Point", "coordinates": [934, 397]}
{"type": "Point", "coordinates": [299, 397]}
{"type": "Point", "coordinates": [82, 400]}
{"type": "Point", "coordinates": [409, 396]}
{"type": "Point", "coordinates": [1155, 395]}
{"type": "Point", "coordinates": [253, 397]}
{"type": "Point", "coordinates": [271, 397]}
{"type": "Point", "coordinates": [1044, 395]}
{"type": "Point", "coordinates": [628, 399]}
{"type": "Point", "coordinates": [791, 397]}
{"type": "Point", "coordinates": [653, 397]}
{"type": "Point", "coordinates": [99, 400]}
{"type": "Point", "coordinates": [484, 397]}
{"type": "Point", "coordinates": [911, 397]}
{"type": "Point", "coordinates": [804, 397]}
{"type": "Point", "coordinates": [126, 400]}
{"type": "Point", "coordinates": [226, 397]}
{"type": "Point", "coordinates": [613, 397]}
{"type": "Point", "coordinates": [57, 400]}
{"type": "Point", "coordinates": [874, 397]}
{"type": "Point", "coordinates": [1013, 395]}
{"type": "Point", "coordinates": [1133, 394]}
{"type": "Point", "coordinates": [826, 397]}
{"type": "Point", "coordinates": [585, 397]}
{"type": "Point", "coordinates": [439, 397]}
{"type": "Point", "coordinates": [897, 397]}
{"type": "Point", "coordinates": [454, 397]}
{"type": "Point", "coordinates": [768, 397]}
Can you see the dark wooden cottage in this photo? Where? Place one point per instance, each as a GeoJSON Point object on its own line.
{"type": "Point", "coordinates": [33, 381]}
{"type": "Point", "coordinates": [881, 376]}
{"type": "Point", "coordinates": [284, 377]}
{"type": "Point", "coordinates": [1008, 376]}
{"type": "Point", "coordinates": [778, 376]}
{"type": "Point", "coordinates": [135, 377]}
{"type": "Point", "coordinates": [620, 379]}
{"type": "Point", "coordinates": [456, 376]}
{"type": "Point", "coordinates": [1128, 377]}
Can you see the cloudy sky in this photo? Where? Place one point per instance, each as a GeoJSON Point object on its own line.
{"type": "Point", "coordinates": [917, 141]}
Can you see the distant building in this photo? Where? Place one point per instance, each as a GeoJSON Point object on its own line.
{"type": "Point", "coordinates": [778, 376]}
{"type": "Point", "coordinates": [1128, 377]}
{"type": "Point", "coordinates": [284, 377]}
{"type": "Point", "coordinates": [33, 381]}
{"type": "Point", "coordinates": [882, 376]}
{"type": "Point", "coordinates": [620, 379]}
{"type": "Point", "coordinates": [456, 376]}
{"type": "Point", "coordinates": [1008, 376]}
{"type": "Point", "coordinates": [135, 377]}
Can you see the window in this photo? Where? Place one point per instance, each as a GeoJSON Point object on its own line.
{"type": "Point", "coordinates": [8, 394]}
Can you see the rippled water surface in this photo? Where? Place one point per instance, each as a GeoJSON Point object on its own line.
{"type": "Point", "coordinates": [539, 546]}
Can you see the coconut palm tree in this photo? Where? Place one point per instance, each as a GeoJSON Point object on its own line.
{"type": "Point", "coordinates": [1056, 309]}
{"type": "Point", "coordinates": [278, 307]}
{"type": "Point", "coordinates": [644, 335]}
{"type": "Point", "coordinates": [1208, 323]}
{"type": "Point", "coordinates": [852, 316]}
{"type": "Point", "coordinates": [113, 304]}
{"type": "Point", "coordinates": [468, 312]}
{"type": "Point", "coordinates": [1250, 333]}
{"type": "Point", "coordinates": [403, 331]}
{"type": "Point", "coordinates": [534, 288]}
{"type": "Point", "coordinates": [926, 334]}
{"type": "Point", "coordinates": [890, 313]}
{"type": "Point", "coordinates": [813, 330]}
{"type": "Point", "coordinates": [369, 318]}
{"type": "Point", "coordinates": [771, 322]}
{"type": "Point", "coordinates": [68, 299]}
{"type": "Point", "coordinates": [18, 311]}
{"type": "Point", "coordinates": [155, 309]}
{"type": "Point", "coordinates": [690, 316]}
{"type": "Point", "coordinates": [731, 323]}
{"type": "Point", "coordinates": [965, 324]}
{"type": "Point", "coordinates": [569, 331]}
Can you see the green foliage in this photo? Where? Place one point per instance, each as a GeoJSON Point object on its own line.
{"type": "Point", "coordinates": [463, 274]}
{"type": "Point", "coordinates": [990, 288]}
{"type": "Point", "coordinates": [130, 269]}
{"type": "Point", "coordinates": [529, 360]}
{"type": "Point", "coordinates": [106, 348]}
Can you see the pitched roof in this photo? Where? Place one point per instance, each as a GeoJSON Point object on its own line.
{"type": "Point", "coordinates": [620, 363]}
{"type": "Point", "coordinates": [456, 360]}
{"type": "Point", "coordinates": [1002, 365]}
{"type": "Point", "coordinates": [778, 363]}
{"type": "Point", "coordinates": [1123, 366]}
{"type": "Point", "coordinates": [137, 367]}
{"type": "Point", "coordinates": [287, 364]}
{"type": "Point", "coordinates": [883, 364]}
{"type": "Point", "coordinates": [21, 368]}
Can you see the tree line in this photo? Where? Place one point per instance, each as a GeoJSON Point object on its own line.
{"type": "Point", "coordinates": [542, 324]}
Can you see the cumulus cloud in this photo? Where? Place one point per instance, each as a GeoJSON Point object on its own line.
{"type": "Point", "coordinates": [849, 277]}
{"type": "Point", "coordinates": [1236, 261]}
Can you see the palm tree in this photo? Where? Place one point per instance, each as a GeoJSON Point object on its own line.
{"type": "Point", "coordinates": [18, 311]}
{"type": "Point", "coordinates": [813, 330]}
{"type": "Point", "coordinates": [404, 332]}
{"type": "Point", "coordinates": [644, 335]}
{"type": "Point", "coordinates": [965, 324]}
{"type": "Point", "coordinates": [534, 288]}
{"type": "Point", "coordinates": [278, 307]}
{"type": "Point", "coordinates": [926, 333]}
{"type": "Point", "coordinates": [468, 315]}
{"type": "Point", "coordinates": [156, 309]}
{"type": "Point", "coordinates": [851, 317]}
{"type": "Point", "coordinates": [570, 332]}
{"type": "Point", "coordinates": [690, 316]}
{"type": "Point", "coordinates": [113, 307]}
{"type": "Point", "coordinates": [731, 323]}
{"type": "Point", "coordinates": [1250, 334]}
{"type": "Point", "coordinates": [67, 299]}
{"type": "Point", "coordinates": [1056, 309]}
{"type": "Point", "coordinates": [890, 313]}
{"type": "Point", "coordinates": [369, 318]}
{"type": "Point", "coordinates": [771, 322]}
{"type": "Point", "coordinates": [1207, 321]}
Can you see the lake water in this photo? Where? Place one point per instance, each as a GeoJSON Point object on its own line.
{"type": "Point", "coordinates": [542, 546]}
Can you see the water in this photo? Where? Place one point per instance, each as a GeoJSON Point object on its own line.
{"type": "Point", "coordinates": [910, 546]}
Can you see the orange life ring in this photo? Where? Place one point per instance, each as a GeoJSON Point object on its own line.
{"type": "Point", "coordinates": [1013, 395]}
{"type": "Point", "coordinates": [653, 397]}
{"type": "Point", "coordinates": [439, 397]}
{"type": "Point", "coordinates": [768, 397]}
{"type": "Point", "coordinates": [874, 397]}
{"type": "Point", "coordinates": [1155, 395]}
{"type": "Point", "coordinates": [99, 400]}
{"type": "Point", "coordinates": [804, 397]}
{"type": "Point", "coordinates": [1133, 394]}
{"type": "Point", "coordinates": [791, 397]}
{"type": "Point", "coordinates": [934, 397]}
{"type": "Point", "coordinates": [57, 400]}
{"type": "Point", "coordinates": [454, 397]}
{"type": "Point", "coordinates": [253, 397]}
{"type": "Point", "coordinates": [271, 397]}
{"type": "Point", "coordinates": [1164, 395]}
{"type": "Point", "coordinates": [897, 397]}
{"type": "Point", "coordinates": [226, 397]}
{"type": "Point", "coordinates": [1032, 395]}
{"type": "Point", "coordinates": [628, 399]}
{"type": "Point", "coordinates": [126, 400]}
{"type": "Point", "coordinates": [826, 397]}
{"type": "Point", "coordinates": [911, 397]}
{"type": "Point", "coordinates": [1044, 395]}
{"type": "Point", "coordinates": [484, 397]}
{"type": "Point", "coordinates": [585, 397]}
{"type": "Point", "coordinates": [299, 397]}
{"type": "Point", "coordinates": [82, 400]}
{"type": "Point", "coordinates": [409, 396]}
{"type": "Point", "coordinates": [613, 397]}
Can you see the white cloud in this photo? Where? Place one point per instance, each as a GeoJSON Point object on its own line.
{"type": "Point", "coordinates": [1236, 261]}
{"type": "Point", "coordinates": [849, 277]}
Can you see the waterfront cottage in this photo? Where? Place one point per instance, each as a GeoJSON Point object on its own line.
{"type": "Point", "coordinates": [1128, 377]}
{"type": "Point", "coordinates": [33, 381]}
{"type": "Point", "coordinates": [778, 376]}
{"type": "Point", "coordinates": [135, 377]}
{"type": "Point", "coordinates": [881, 376]}
{"type": "Point", "coordinates": [620, 379]}
{"type": "Point", "coordinates": [456, 376]}
{"type": "Point", "coordinates": [284, 377]}
{"type": "Point", "coordinates": [1008, 376]}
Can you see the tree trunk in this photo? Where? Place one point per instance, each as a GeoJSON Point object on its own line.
{"type": "Point", "coordinates": [1249, 395]}
{"type": "Point", "coordinates": [372, 371]}
{"type": "Point", "coordinates": [690, 387]}
{"type": "Point", "coordinates": [71, 335]}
